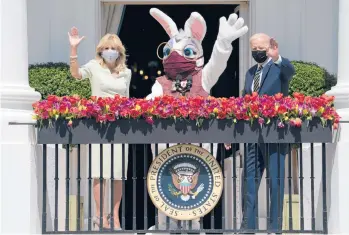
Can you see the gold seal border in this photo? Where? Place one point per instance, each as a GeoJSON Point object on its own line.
{"type": "Point", "coordinates": [185, 214]}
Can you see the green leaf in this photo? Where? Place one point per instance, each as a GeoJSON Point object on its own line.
{"type": "Point", "coordinates": [199, 122]}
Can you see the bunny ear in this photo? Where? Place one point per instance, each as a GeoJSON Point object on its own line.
{"type": "Point", "coordinates": [196, 26]}
{"type": "Point", "coordinates": [166, 22]}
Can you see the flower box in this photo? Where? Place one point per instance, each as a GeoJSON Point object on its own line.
{"type": "Point", "coordinates": [138, 131]}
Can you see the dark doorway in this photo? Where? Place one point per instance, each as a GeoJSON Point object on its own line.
{"type": "Point", "coordinates": [141, 35]}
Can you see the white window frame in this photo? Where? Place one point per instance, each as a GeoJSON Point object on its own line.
{"type": "Point", "coordinates": [244, 9]}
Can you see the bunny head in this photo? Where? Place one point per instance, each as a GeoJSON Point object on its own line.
{"type": "Point", "coordinates": [187, 42]}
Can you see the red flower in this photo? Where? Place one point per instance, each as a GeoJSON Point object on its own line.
{"type": "Point", "coordinates": [110, 117]}
{"type": "Point", "coordinates": [300, 97]}
{"type": "Point", "coordinates": [281, 109]}
{"type": "Point", "coordinates": [278, 96]}
{"type": "Point", "coordinates": [135, 114]}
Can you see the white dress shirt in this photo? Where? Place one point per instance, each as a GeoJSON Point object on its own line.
{"type": "Point", "coordinates": [263, 65]}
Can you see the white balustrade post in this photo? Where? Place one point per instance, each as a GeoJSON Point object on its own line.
{"type": "Point", "coordinates": [20, 200]}
{"type": "Point", "coordinates": [338, 202]}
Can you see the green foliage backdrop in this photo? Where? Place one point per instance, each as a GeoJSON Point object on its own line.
{"type": "Point", "coordinates": [311, 79]}
{"type": "Point", "coordinates": [55, 78]}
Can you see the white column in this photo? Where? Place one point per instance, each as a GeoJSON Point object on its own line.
{"type": "Point", "coordinates": [14, 86]}
{"type": "Point", "coordinates": [20, 200]}
{"type": "Point", "coordinates": [341, 90]}
{"type": "Point", "coordinates": [338, 202]}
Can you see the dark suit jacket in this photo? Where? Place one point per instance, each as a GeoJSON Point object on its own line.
{"type": "Point", "coordinates": [275, 78]}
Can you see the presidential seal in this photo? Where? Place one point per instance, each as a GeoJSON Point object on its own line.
{"type": "Point", "coordinates": [185, 182]}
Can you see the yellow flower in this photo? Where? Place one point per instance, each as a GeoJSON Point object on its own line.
{"type": "Point", "coordinates": [66, 111]}
{"type": "Point", "coordinates": [54, 111]}
{"type": "Point", "coordinates": [321, 109]}
{"type": "Point", "coordinates": [305, 111]}
{"type": "Point", "coordinates": [137, 107]}
{"type": "Point", "coordinates": [107, 107]}
{"type": "Point", "coordinates": [215, 110]}
{"type": "Point", "coordinates": [286, 118]}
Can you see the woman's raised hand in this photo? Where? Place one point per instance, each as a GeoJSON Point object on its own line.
{"type": "Point", "coordinates": [74, 37]}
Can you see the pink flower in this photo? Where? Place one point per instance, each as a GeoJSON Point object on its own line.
{"type": "Point", "coordinates": [281, 125]}
{"type": "Point", "coordinates": [149, 120]}
{"type": "Point", "coordinates": [296, 122]}
{"type": "Point", "coordinates": [260, 120]}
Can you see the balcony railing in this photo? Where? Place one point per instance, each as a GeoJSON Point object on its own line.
{"type": "Point", "coordinates": [68, 202]}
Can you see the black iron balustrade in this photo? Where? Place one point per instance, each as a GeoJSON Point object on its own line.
{"type": "Point", "coordinates": [138, 133]}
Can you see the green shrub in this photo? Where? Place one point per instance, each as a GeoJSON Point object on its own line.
{"type": "Point", "coordinates": [311, 79]}
{"type": "Point", "coordinates": [55, 79]}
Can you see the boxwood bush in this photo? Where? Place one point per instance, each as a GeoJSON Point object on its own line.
{"type": "Point", "coordinates": [311, 79]}
{"type": "Point", "coordinates": [55, 79]}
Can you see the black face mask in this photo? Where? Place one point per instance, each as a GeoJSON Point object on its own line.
{"type": "Point", "coordinates": [259, 56]}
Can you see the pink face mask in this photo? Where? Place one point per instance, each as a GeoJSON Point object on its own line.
{"type": "Point", "coordinates": [175, 64]}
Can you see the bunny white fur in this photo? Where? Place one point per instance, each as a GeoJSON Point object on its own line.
{"type": "Point", "coordinates": [193, 33]}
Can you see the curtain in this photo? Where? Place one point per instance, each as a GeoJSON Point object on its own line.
{"type": "Point", "coordinates": [111, 18]}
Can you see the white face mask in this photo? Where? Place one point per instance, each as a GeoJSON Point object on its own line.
{"type": "Point", "coordinates": [110, 55]}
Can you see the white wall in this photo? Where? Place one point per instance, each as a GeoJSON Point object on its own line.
{"type": "Point", "coordinates": [305, 29]}
{"type": "Point", "coordinates": [49, 23]}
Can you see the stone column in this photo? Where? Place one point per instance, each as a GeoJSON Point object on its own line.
{"type": "Point", "coordinates": [20, 200]}
{"type": "Point", "coordinates": [341, 90]}
{"type": "Point", "coordinates": [338, 193]}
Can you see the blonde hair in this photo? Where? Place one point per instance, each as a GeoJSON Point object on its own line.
{"type": "Point", "coordinates": [112, 40]}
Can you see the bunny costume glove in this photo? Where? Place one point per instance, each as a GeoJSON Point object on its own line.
{"type": "Point", "coordinates": [229, 30]}
{"type": "Point", "coordinates": [184, 64]}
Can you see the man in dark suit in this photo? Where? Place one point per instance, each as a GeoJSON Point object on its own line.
{"type": "Point", "coordinates": [271, 75]}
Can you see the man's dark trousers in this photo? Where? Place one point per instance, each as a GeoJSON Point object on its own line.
{"type": "Point", "coordinates": [260, 157]}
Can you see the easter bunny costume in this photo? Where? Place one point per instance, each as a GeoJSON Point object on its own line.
{"type": "Point", "coordinates": [185, 72]}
